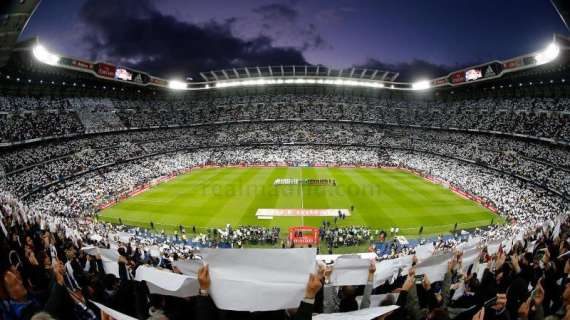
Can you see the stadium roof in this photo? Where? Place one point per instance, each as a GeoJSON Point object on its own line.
{"type": "Point", "coordinates": [19, 12]}
{"type": "Point", "coordinates": [14, 16]}
{"type": "Point", "coordinates": [299, 75]}
{"type": "Point", "coordinates": [298, 71]}
{"type": "Point", "coordinates": [563, 9]}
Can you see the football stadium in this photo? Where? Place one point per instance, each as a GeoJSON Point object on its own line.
{"type": "Point", "coordinates": [245, 179]}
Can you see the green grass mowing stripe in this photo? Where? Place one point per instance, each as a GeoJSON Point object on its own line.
{"type": "Point", "coordinates": [415, 205]}
{"type": "Point", "coordinates": [186, 184]}
{"type": "Point", "coordinates": [453, 206]}
{"type": "Point", "coordinates": [393, 201]}
{"type": "Point", "coordinates": [214, 196]}
{"type": "Point", "coordinates": [367, 211]}
{"type": "Point", "coordinates": [316, 197]}
{"type": "Point", "coordinates": [163, 198]}
{"type": "Point", "coordinates": [411, 210]}
{"type": "Point", "coordinates": [321, 197]}
{"type": "Point", "coordinates": [265, 197]}
{"type": "Point", "coordinates": [447, 207]}
{"type": "Point", "coordinates": [289, 196]}
{"type": "Point", "coordinates": [397, 188]}
{"type": "Point", "coordinates": [165, 209]}
{"type": "Point", "coordinates": [240, 196]}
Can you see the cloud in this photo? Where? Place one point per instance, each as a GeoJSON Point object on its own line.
{"type": "Point", "coordinates": [137, 34]}
{"type": "Point", "coordinates": [413, 70]}
{"type": "Point", "coordinates": [334, 16]}
{"type": "Point", "coordinates": [282, 23]}
{"type": "Point", "coordinates": [277, 12]}
{"type": "Point", "coordinates": [312, 39]}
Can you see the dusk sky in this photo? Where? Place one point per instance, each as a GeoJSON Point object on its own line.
{"type": "Point", "coordinates": [183, 37]}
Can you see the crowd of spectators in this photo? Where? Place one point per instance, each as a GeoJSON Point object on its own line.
{"type": "Point", "coordinates": [31, 117]}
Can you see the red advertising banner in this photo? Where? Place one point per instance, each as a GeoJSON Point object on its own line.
{"type": "Point", "coordinates": [304, 235]}
{"type": "Point", "coordinates": [458, 77]}
{"type": "Point", "coordinates": [439, 81]}
{"type": "Point", "coordinates": [106, 70]}
{"type": "Point", "coordinates": [82, 64]}
{"type": "Point", "coordinates": [159, 82]}
{"type": "Point", "coordinates": [512, 64]}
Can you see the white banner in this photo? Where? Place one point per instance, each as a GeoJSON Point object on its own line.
{"type": "Point", "coordinates": [333, 257]}
{"type": "Point", "coordinates": [259, 279]}
{"type": "Point", "coordinates": [168, 283]}
{"type": "Point", "coordinates": [109, 258]}
{"type": "Point", "coordinates": [188, 267]}
{"type": "Point", "coordinates": [363, 314]}
{"type": "Point", "coordinates": [116, 315]}
{"type": "Point", "coordinates": [301, 212]}
{"type": "Point", "coordinates": [556, 231]}
{"type": "Point", "coordinates": [434, 267]}
{"type": "Point", "coordinates": [424, 251]}
{"type": "Point", "coordinates": [469, 257]}
{"type": "Point", "coordinates": [348, 271]}
{"type": "Point", "coordinates": [493, 247]}
{"type": "Point", "coordinates": [385, 270]}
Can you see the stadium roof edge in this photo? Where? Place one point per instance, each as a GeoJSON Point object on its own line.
{"type": "Point", "coordinates": [15, 15]}
{"type": "Point", "coordinates": [295, 75]}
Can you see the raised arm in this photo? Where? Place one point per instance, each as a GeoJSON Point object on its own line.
{"type": "Point", "coordinates": [365, 303]}
{"type": "Point", "coordinates": [331, 302]}
{"type": "Point", "coordinates": [205, 307]}
{"type": "Point", "coordinates": [305, 310]}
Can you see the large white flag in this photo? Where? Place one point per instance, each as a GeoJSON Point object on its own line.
{"type": "Point", "coordinates": [333, 257]}
{"type": "Point", "coordinates": [188, 267]}
{"type": "Point", "coordinates": [348, 271]}
{"type": "Point", "coordinates": [109, 258]}
{"type": "Point", "coordinates": [385, 270]}
{"type": "Point", "coordinates": [168, 283]}
{"type": "Point", "coordinates": [259, 279]}
{"type": "Point", "coordinates": [363, 314]}
{"type": "Point", "coordinates": [114, 314]}
{"type": "Point", "coordinates": [424, 251]}
{"type": "Point", "coordinates": [434, 267]}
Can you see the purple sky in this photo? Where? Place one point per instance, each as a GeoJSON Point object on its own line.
{"type": "Point", "coordinates": [337, 33]}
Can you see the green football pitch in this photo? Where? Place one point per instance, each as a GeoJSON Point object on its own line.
{"type": "Point", "coordinates": [382, 198]}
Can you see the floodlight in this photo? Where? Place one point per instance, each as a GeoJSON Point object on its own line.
{"type": "Point", "coordinates": [44, 56]}
{"type": "Point", "coordinates": [177, 85]}
{"type": "Point", "coordinates": [548, 54]}
{"type": "Point", "coordinates": [420, 85]}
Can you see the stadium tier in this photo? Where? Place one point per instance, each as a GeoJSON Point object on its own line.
{"type": "Point", "coordinates": [282, 192]}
